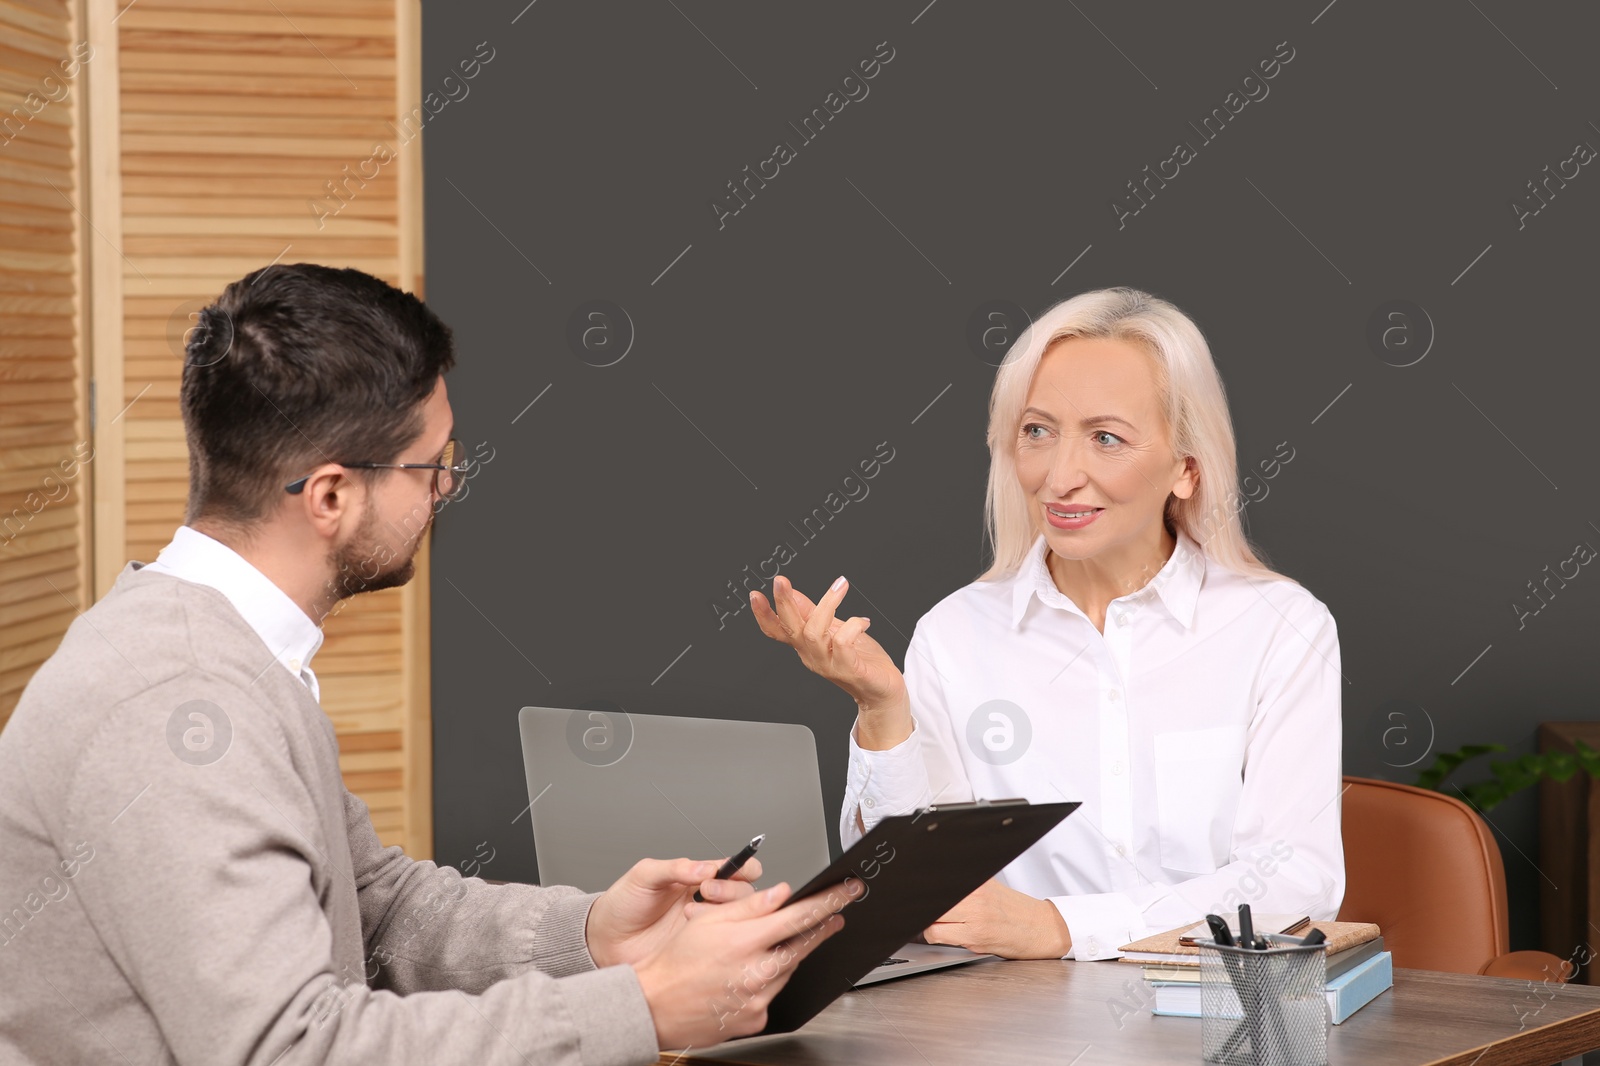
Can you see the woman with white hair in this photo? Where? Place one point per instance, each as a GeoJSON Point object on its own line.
{"type": "Point", "coordinates": [1127, 649]}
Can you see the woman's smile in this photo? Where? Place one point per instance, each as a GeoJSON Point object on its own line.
{"type": "Point", "coordinates": [1073, 517]}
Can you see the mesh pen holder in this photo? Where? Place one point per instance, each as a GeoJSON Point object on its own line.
{"type": "Point", "coordinates": [1264, 1008]}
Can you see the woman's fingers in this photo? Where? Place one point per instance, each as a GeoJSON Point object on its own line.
{"type": "Point", "coordinates": [847, 632]}
{"type": "Point", "coordinates": [767, 618]}
{"type": "Point", "coordinates": [785, 621]}
{"type": "Point", "coordinates": [816, 626]}
{"type": "Point", "coordinates": [785, 608]}
{"type": "Point", "coordinates": [825, 644]}
{"type": "Point", "coordinates": [804, 605]}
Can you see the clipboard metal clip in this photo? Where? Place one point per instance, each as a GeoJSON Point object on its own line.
{"type": "Point", "coordinates": [970, 804]}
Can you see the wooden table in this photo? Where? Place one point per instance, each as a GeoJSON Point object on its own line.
{"type": "Point", "coordinates": [1089, 1013]}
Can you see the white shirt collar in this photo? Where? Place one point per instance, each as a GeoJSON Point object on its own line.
{"type": "Point", "coordinates": [282, 626]}
{"type": "Point", "coordinates": [1176, 585]}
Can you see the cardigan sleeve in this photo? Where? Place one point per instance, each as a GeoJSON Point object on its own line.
{"type": "Point", "coordinates": [209, 888]}
{"type": "Point", "coordinates": [428, 927]}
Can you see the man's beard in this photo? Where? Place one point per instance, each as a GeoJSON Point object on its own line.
{"type": "Point", "coordinates": [354, 560]}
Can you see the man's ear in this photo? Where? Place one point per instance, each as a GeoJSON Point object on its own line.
{"type": "Point", "coordinates": [329, 500]}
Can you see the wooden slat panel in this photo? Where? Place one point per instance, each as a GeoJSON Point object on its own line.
{"type": "Point", "coordinates": [42, 19]}
{"type": "Point", "coordinates": [156, 103]}
{"type": "Point", "coordinates": [360, 721]}
{"type": "Point", "coordinates": [359, 781]}
{"type": "Point", "coordinates": [209, 17]}
{"type": "Point", "coordinates": [361, 70]}
{"type": "Point", "coordinates": [382, 740]}
{"type": "Point", "coordinates": [377, 10]}
{"type": "Point", "coordinates": [287, 43]}
{"type": "Point", "coordinates": [373, 762]}
{"type": "Point", "coordinates": [39, 606]}
{"type": "Point", "coordinates": [373, 128]}
{"type": "Point", "coordinates": [43, 512]}
{"type": "Point", "coordinates": [307, 86]}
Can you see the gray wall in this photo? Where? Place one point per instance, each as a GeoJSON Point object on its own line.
{"type": "Point", "coordinates": [775, 348]}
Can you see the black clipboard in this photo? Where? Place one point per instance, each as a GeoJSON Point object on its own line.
{"type": "Point", "coordinates": [915, 868]}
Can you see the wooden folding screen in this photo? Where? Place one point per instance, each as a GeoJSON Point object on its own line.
{"type": "Point", "coordinates": [46, 456]}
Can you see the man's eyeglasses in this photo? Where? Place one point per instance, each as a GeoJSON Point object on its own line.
{"type": "Point", "coordinates": [449, 474]}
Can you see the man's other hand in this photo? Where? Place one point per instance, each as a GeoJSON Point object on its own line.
{"type": "Point", "coordinates": [646, 906]}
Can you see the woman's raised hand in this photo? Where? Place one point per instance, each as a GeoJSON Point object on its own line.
{"type": "Point", "coordinates": [842, 652]}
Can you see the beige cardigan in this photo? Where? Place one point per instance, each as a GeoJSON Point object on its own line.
{"type": "Point", "coordinates": [184, 875]}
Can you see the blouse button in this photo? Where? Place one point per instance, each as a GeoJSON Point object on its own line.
{"type": "Point", "coordinates": [1113, 695]}
{"type": "Point", "coordinates": [868, 803]}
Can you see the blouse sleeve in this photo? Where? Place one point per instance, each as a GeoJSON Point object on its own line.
{"type": "Point", "coordinates": [922, 769]}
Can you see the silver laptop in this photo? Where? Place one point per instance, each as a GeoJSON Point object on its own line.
{"type": "Point", "coordinates": [607, 788]}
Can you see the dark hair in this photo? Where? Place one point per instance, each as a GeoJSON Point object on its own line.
{"type": "Point", "coordinates": [294, 366]}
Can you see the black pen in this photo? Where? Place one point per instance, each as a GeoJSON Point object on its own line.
{"type": "Point", "coordinates": [1247, 929]}
{"type": "Point", "coordinates": [731, 867]}
{"type": "Point", "coordinates": [1219, 931]}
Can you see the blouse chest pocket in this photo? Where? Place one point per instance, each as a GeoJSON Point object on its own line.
{"type": "Point", "coordinates": [1197, 792]}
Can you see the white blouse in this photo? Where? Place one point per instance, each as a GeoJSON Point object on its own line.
{"type": "Point", "coordinates": [1201, 732]}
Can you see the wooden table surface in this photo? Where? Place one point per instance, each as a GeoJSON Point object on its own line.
{"type": "Point", "coordinates": [1087, 1013]}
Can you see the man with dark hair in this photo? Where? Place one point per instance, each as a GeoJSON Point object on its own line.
{"type": "Point", "coordinates": [185, 876]}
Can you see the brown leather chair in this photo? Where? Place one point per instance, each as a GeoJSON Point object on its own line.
{"type": "Point", "coordinates": [1425, 867]}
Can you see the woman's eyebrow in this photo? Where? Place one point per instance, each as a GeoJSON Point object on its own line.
{"type": "Point", "coordinates": [1095, 420]}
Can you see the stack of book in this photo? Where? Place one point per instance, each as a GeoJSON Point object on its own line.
{"type": "Point", "coordinates": [1359, 970]}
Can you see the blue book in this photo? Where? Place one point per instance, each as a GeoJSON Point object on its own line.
{"type": "Point", "coordinates": [1347, 993]}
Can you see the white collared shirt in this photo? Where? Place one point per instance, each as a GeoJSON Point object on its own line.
{"type": "Point", "coordinates": [282, 626]}
{"type": "Point", "coordinates": [1201, 732]}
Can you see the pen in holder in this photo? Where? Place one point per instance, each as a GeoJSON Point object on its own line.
{"type": "Point", "coordinates": [1264, 1008]}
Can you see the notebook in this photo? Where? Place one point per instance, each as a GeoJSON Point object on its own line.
{"type": "Point", "coordinates": [1338, 964]}
{"type": "Point", "coordinates": [1168, 946]}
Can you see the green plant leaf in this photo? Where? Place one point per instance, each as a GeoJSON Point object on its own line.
{"type": "Point", "coordinates": [1517, 774]}
{"type": "Point", "coordinates": [1509, 776]}
{"type": "Point", "coordinates": [1560, 765]}
{"type": "Point", "coordinates": [1433, 777]}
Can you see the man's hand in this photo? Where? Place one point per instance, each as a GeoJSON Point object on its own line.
{"type": "Point", "coordinates": [1001, 921]}
{"type": "Point", "coordinates": [645, 908]}
{"type": "Point", "coordinates": [714, 979]}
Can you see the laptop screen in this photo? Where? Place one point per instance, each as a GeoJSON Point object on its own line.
{"type": "Point", "coordinates": [607, 788]}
